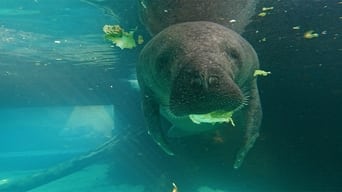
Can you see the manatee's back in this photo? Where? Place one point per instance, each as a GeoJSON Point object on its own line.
{"type": "Point", "coordinates": [158, 14]}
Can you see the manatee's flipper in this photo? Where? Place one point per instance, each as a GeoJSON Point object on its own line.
{"type": "Point", "coordinates": [253, 117]}
{"type": "Point", "coordinates": [244, 150]}
{"type": "Point", "coordinates": [152, 117]}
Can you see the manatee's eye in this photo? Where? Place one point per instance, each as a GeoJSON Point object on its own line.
{"type": "Point", "coordinates": [233, 54]}
{"type": "Point", "coordinates": [162, 61]}
{"type": "Point", "coordinates": [196, 82]}
{"type": "Point", "coordinates": [213, 80]}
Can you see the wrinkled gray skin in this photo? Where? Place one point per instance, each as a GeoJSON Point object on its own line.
{"type": "Point", "coordinates": [156, 15]}
{"type": "Point", "coordinates": [197, 68]}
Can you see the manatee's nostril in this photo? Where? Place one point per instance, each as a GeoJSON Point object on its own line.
{"type": "Point", "coordinates": [213, 80]}
{"type": "Point", "coordinates": [196, 82]}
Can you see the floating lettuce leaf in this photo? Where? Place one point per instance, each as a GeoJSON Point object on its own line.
{"type": "Point", "coordinates": [119, 36]}
{"type": "Point", "coordinates": [213, 117]}
{"type": "Point", "coordinates": [261, 73]}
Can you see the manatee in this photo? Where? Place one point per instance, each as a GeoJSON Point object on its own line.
{"type": "Point", "coordinates": [198, 68]}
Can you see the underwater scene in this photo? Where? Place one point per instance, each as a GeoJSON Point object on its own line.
{"type": "Point", "coordinates": [170, 95]}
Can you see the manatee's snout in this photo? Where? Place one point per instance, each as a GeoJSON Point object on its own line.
{"type": "Point", "coordinates": [201, 94]}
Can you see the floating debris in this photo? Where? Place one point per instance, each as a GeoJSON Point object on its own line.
{"type": "Point", "coordinates": [262, 40]}
{"type": "Point", "coordinates": [175, 188]}
{"type": "Point", "coordinates": [232, 21]}
{"type": "Point", "coordinates": [267, 8]}
{"type": "Point", "coordinates": [143, 4]}
{"type": "Point", "coordinates": [262, 14]}
{"type": "Point", "coordinates": [310, 34]}
{"type": "Point", "coordinates": [296, 27]}
{"type": "Point", "coordinates": [264, 10]}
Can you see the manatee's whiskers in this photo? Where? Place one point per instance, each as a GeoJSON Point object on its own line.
{"type": "Point", "coordinates": [245, 100]}
{"type": "Point", "coordinates": [165, 109]}
{"type": "Point", "coordinates": [243, 104]}
{"type": "Point", "coordinates": [246, 96]}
